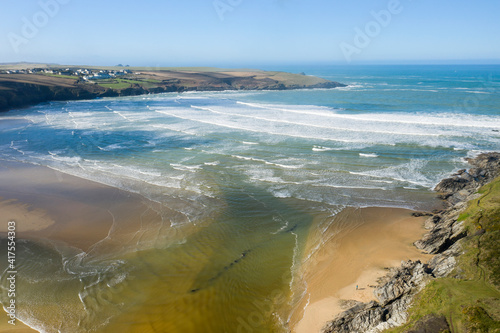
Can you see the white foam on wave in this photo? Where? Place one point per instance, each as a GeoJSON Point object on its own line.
{"type": "Point", "coordinates": [351, 87]}
{"type": "Point", "coordinates": [351, 187]}
{"type": "Point", "coordinates": [74, 160]}
{"type": "Point", "coordinates": [315, 125]}
{"type": "Point", "coordinates": [321, 148]}
{"type": "Point", "coordinates": [267, 162]}
{"type": "Point", "coordinates": [274, 180]}
{"type": "Point", "coordinates": [182, 167]}
{"type": "Point", "coordinates": [261, 130]}
{"type": "Point", "coordinates": [152, 173]}
{"type": "Point", "coordinates": [368, 155]}
{"type": "Point", "coordinates": [17, 148]}
{"type": "Point", "coordinates": [111, 147]}
{"type": "Point", "coordinates": [443, 119]}
{"type": "Point", "coordinates": [121, 115]}
{"type": "Point", "coordinates": [358, 132]}
{"type": "Point", "coordinates": [478, 92]}
{"type": "Point", "coordinates": [410, 172]}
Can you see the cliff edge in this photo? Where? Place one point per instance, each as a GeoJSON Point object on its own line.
{"type": "Point", "coordinates": [26, 89]}
{"type": "Point", "coordinates": [458, 289]}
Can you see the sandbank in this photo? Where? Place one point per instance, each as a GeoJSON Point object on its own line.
{"type": "Point", "coordinates": [49, 205]}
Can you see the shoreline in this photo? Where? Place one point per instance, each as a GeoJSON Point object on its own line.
{"type": "Point", "coordinates": [42, 197]}
{"type": "Point", "coordinates": [345, 270]}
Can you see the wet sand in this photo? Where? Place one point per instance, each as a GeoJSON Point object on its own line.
{"type": "Point", "coordinates": [19, 327]}
{"type": "Point", "coordinates": [52, 205]}
{"type": "Point", "coordinates": [362, 244]}
{"type": "Point", "coordinates": [47, 204]}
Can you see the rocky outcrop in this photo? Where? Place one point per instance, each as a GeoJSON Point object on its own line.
{"type": "Point", "coordinates": [394, 294]}
{"type": "Point", "coordinates": [396, 290]}
{"type": "Point", "coordinates": [457, 190]}
{"type": "Point", "coordinates": [463, 183]}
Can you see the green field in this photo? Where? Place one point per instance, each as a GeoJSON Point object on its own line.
{"type": "Point", "coordinates": [470, 297]}
{"type": "Point", "coordinates": [125, 83]}
{"type": "Point", "coordinates": [118, 84]}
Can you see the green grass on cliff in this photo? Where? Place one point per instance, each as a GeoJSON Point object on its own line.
{"type": "Point", "coordinates": [470, 297]}
{"type": "Point", "coordinates": [114, 84]}
{"type": "Point", "coordinates": [119, 84]}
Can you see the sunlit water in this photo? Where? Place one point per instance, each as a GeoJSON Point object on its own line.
{"type": "Point", "coordinates": [244, 177]}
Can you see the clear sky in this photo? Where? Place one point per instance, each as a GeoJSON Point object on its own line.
{"type": "Point", "coordinates": [246, 32]}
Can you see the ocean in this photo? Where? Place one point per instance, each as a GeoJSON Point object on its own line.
{"type": "Point", "coordinates": [244, 178]}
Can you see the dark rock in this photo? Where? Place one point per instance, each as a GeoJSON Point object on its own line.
{"type": "Point", "coordinates": [432, 221]}
{"type": "Point", "coordinates": [443, 264]}
{"type": "Point", "coordinates": [486, 167]}
{"type": "Point", "coordinates": [456, 188]}
{"type": "Point", "coordinates": [434, 242]}
{"type": "Point", "coordinates": [394, 299]}
{"type": "Point", "coordinates": [418, 214]}
{"type": "Point", "coordinates": [451, 185]}
{"type": "Point", "coordinates": [348, 304]}
{"type": "Point", "coordinates": [431, 324]}
{"type": "Point", "coordinates": [358, 319]}
{"type": "Point", "coordinates": [403, 280]}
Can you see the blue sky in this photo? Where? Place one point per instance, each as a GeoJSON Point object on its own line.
{"type": "Point", "coordinates": [249, 32]}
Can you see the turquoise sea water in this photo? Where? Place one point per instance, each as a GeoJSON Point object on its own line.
{"type": "Point", "coordinates": [252, 173]}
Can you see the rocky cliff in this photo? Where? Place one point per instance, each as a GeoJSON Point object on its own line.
{"type": "Point", "coordinates": [21, 90]}
{"type": "Point", "coordinates": [397, 290]}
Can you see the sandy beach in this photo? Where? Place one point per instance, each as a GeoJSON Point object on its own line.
{"type": "Point", "coordinates": [350, 262]}
{"type": "Point", "coordinates": [362, 243]}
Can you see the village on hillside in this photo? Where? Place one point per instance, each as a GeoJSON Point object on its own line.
{"type": "Point", "coordinates": [84, 74]}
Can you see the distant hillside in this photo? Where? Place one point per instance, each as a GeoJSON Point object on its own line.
{"type": "Point", "coordinates": [23, 85]}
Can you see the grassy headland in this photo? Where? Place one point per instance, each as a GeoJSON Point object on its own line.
{"type": "Point", "coordinates": [28, 84]}
{"type": "Point", "coordinates": [470, 297]}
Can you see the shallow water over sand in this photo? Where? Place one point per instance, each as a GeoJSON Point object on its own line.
{"type": "Point", "coordinates": [146, 274]}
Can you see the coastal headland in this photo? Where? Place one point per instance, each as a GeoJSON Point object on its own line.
{"type": "Point", "coordinates": [23, 85]}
